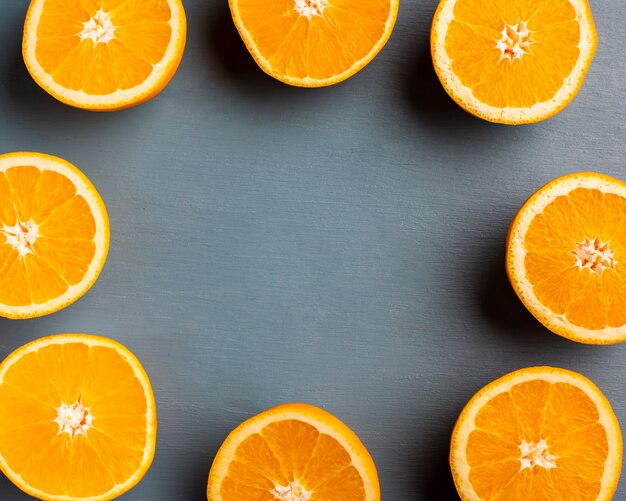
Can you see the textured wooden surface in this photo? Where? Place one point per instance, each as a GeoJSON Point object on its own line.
{"type": "Point", "coordinates": [340, 246]}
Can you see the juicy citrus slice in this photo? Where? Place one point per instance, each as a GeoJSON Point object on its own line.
{"type": "Point", "coordinates": [516, 61]}
{"type": "Point", "coordinates": [77, 418]}
{"type": "Point", "coordinates": [539, 433]}
{"type": "Point", "coordinates": [312, 43]}
{"type": "Point", "coordinates": [54, 234]}
{"type": "Point", "coordinates": [566, 257]}
{"type": "Point", "coordinates": [293, 452]}
{"type": "Point", "coordinates": [103, 55]}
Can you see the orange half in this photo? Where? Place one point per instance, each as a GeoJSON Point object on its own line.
{"type": "Point", "coordinates": [77, 418]}
{"type": "Point", "coordinates": [513, 62]}
{"type": "Point", "coordinates": [566, 257]}
{"type": "Point", "coordinates": [104, 55]}
{"type": "Point", "coordinates": [537, 434]}
{"type": "Point", "coordinates": [293, 452]}
{"type": "Point", "coordinates": [54, 234]}
{"type": "Point", "coordinates": [313, 43]}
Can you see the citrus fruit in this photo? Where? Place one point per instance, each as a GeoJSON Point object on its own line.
{"type": "Point", "coordinates": [566, 251]}
{"type": "Point", "coordinates": [54, 234]}
{"type": "Point", "coordinates": [77, 418]}
{"type": "Point", "coordinates": [293, 452]}
{"type": "Point", "coordinates": [103, 55]}
{"type": "Point", "coordinates": [313, 43]}
{"type": "Point", "coordinates": [539, 433]}
{"type": "Point", "coordinates": [513, 62]}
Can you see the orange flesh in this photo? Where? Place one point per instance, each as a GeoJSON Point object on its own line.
{"type": "Point", "coordinates": [141, 36]}
{"type": "Point", "coordinates": [30, 441]}
{"type": "Point", "coordinates": [288, 451]}
{"type": "Point", "coordinates": [535, 77]}
{"type": "Point", "coordinates": [320, 47]}
{"type": "Point", "coordinates": [562, 415]}
{"type": "Point", "coordinates": [586, 298]}
{"type": "Point", "coordinates": [64, 249]}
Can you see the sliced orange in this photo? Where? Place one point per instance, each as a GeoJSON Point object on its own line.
{"type": "Point", "coordinates": [293, 452]}
{"type": "Point", "coordinates": [537, 434]}
{"type": "Point", "coordinates": [566, 257]}
{"type": "Point", "coordinates": [513, 62]}
{"type": "Point", "coordinates": [104, 55]}
{"type": "Point", "coordinates": [77, 418]}
{"type": "Point", "coordinates": [54, 234]}
{"type": "Point", "coordinates": [312, 43]}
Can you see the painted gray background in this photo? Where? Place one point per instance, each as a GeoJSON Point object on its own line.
{"type": "Point", "coordinates": [340, 246]}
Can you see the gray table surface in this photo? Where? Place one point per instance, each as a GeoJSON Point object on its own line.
{"type": "Point", "coordinates": [340, 246]}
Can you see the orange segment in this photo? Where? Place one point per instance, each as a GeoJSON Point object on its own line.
{"type": "Point", "coordinates": [566, 252]}
{"type": "Point", "coordinates": [73, 219]}
{"type": "Point", "coordinates": [23, 185]}
{"type": "Point", "coordinates": [44, 283]}
{"type": "Point", "coordinates": [293, 451]}
{"type": "Point", "coordinates": [104, 55]}
{"type": "Point", "coordinates": [68, 258]}
{"type": "Point", "coordinates": [7, 211]}
{"type": "Point", "coordinates": [312, 43]}
{"type": "Point", "coordinates": [14, 281]}
{"type": "Point", "coordinates": [54, 234]}
{"type": "Point", "coordinates": [77, 418]}
{"type": "Point", "coordinates": [539, 433]}
{"type": "Point", "coordinates": [513, 62]}
{"type": "Point", "coordinates": [53, 190]}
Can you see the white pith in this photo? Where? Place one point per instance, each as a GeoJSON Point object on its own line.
{"type": "Point", "coordinates": [292, 492]}
{"type": "Point", "coordinates": [516, 254]}
{"type": "Point", "coordinates": [594, 254]}
{"type": "Point", "coordinates": [73, 419]}
{"type": "Point", "coordinates": [311, 8]}
{"type": "Point", "coordinates": [85, 189]}
{"type": "Point", "coordinates": [464, 95]}
{"type": "Point", "coordinates": [21, 236]}
{"type": "Point", "coordinates": [536, 454]}
{"type": "Point", "coordinates": [515, 41]}
{"type": "Point", "coordinates": [99, 28]}
{"type": "Point", "coordinates": [151, 421]}
{"type": "Point", "coordinates": [80, 98]}
{"type": "Point", "coordinates": [466, 424]}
